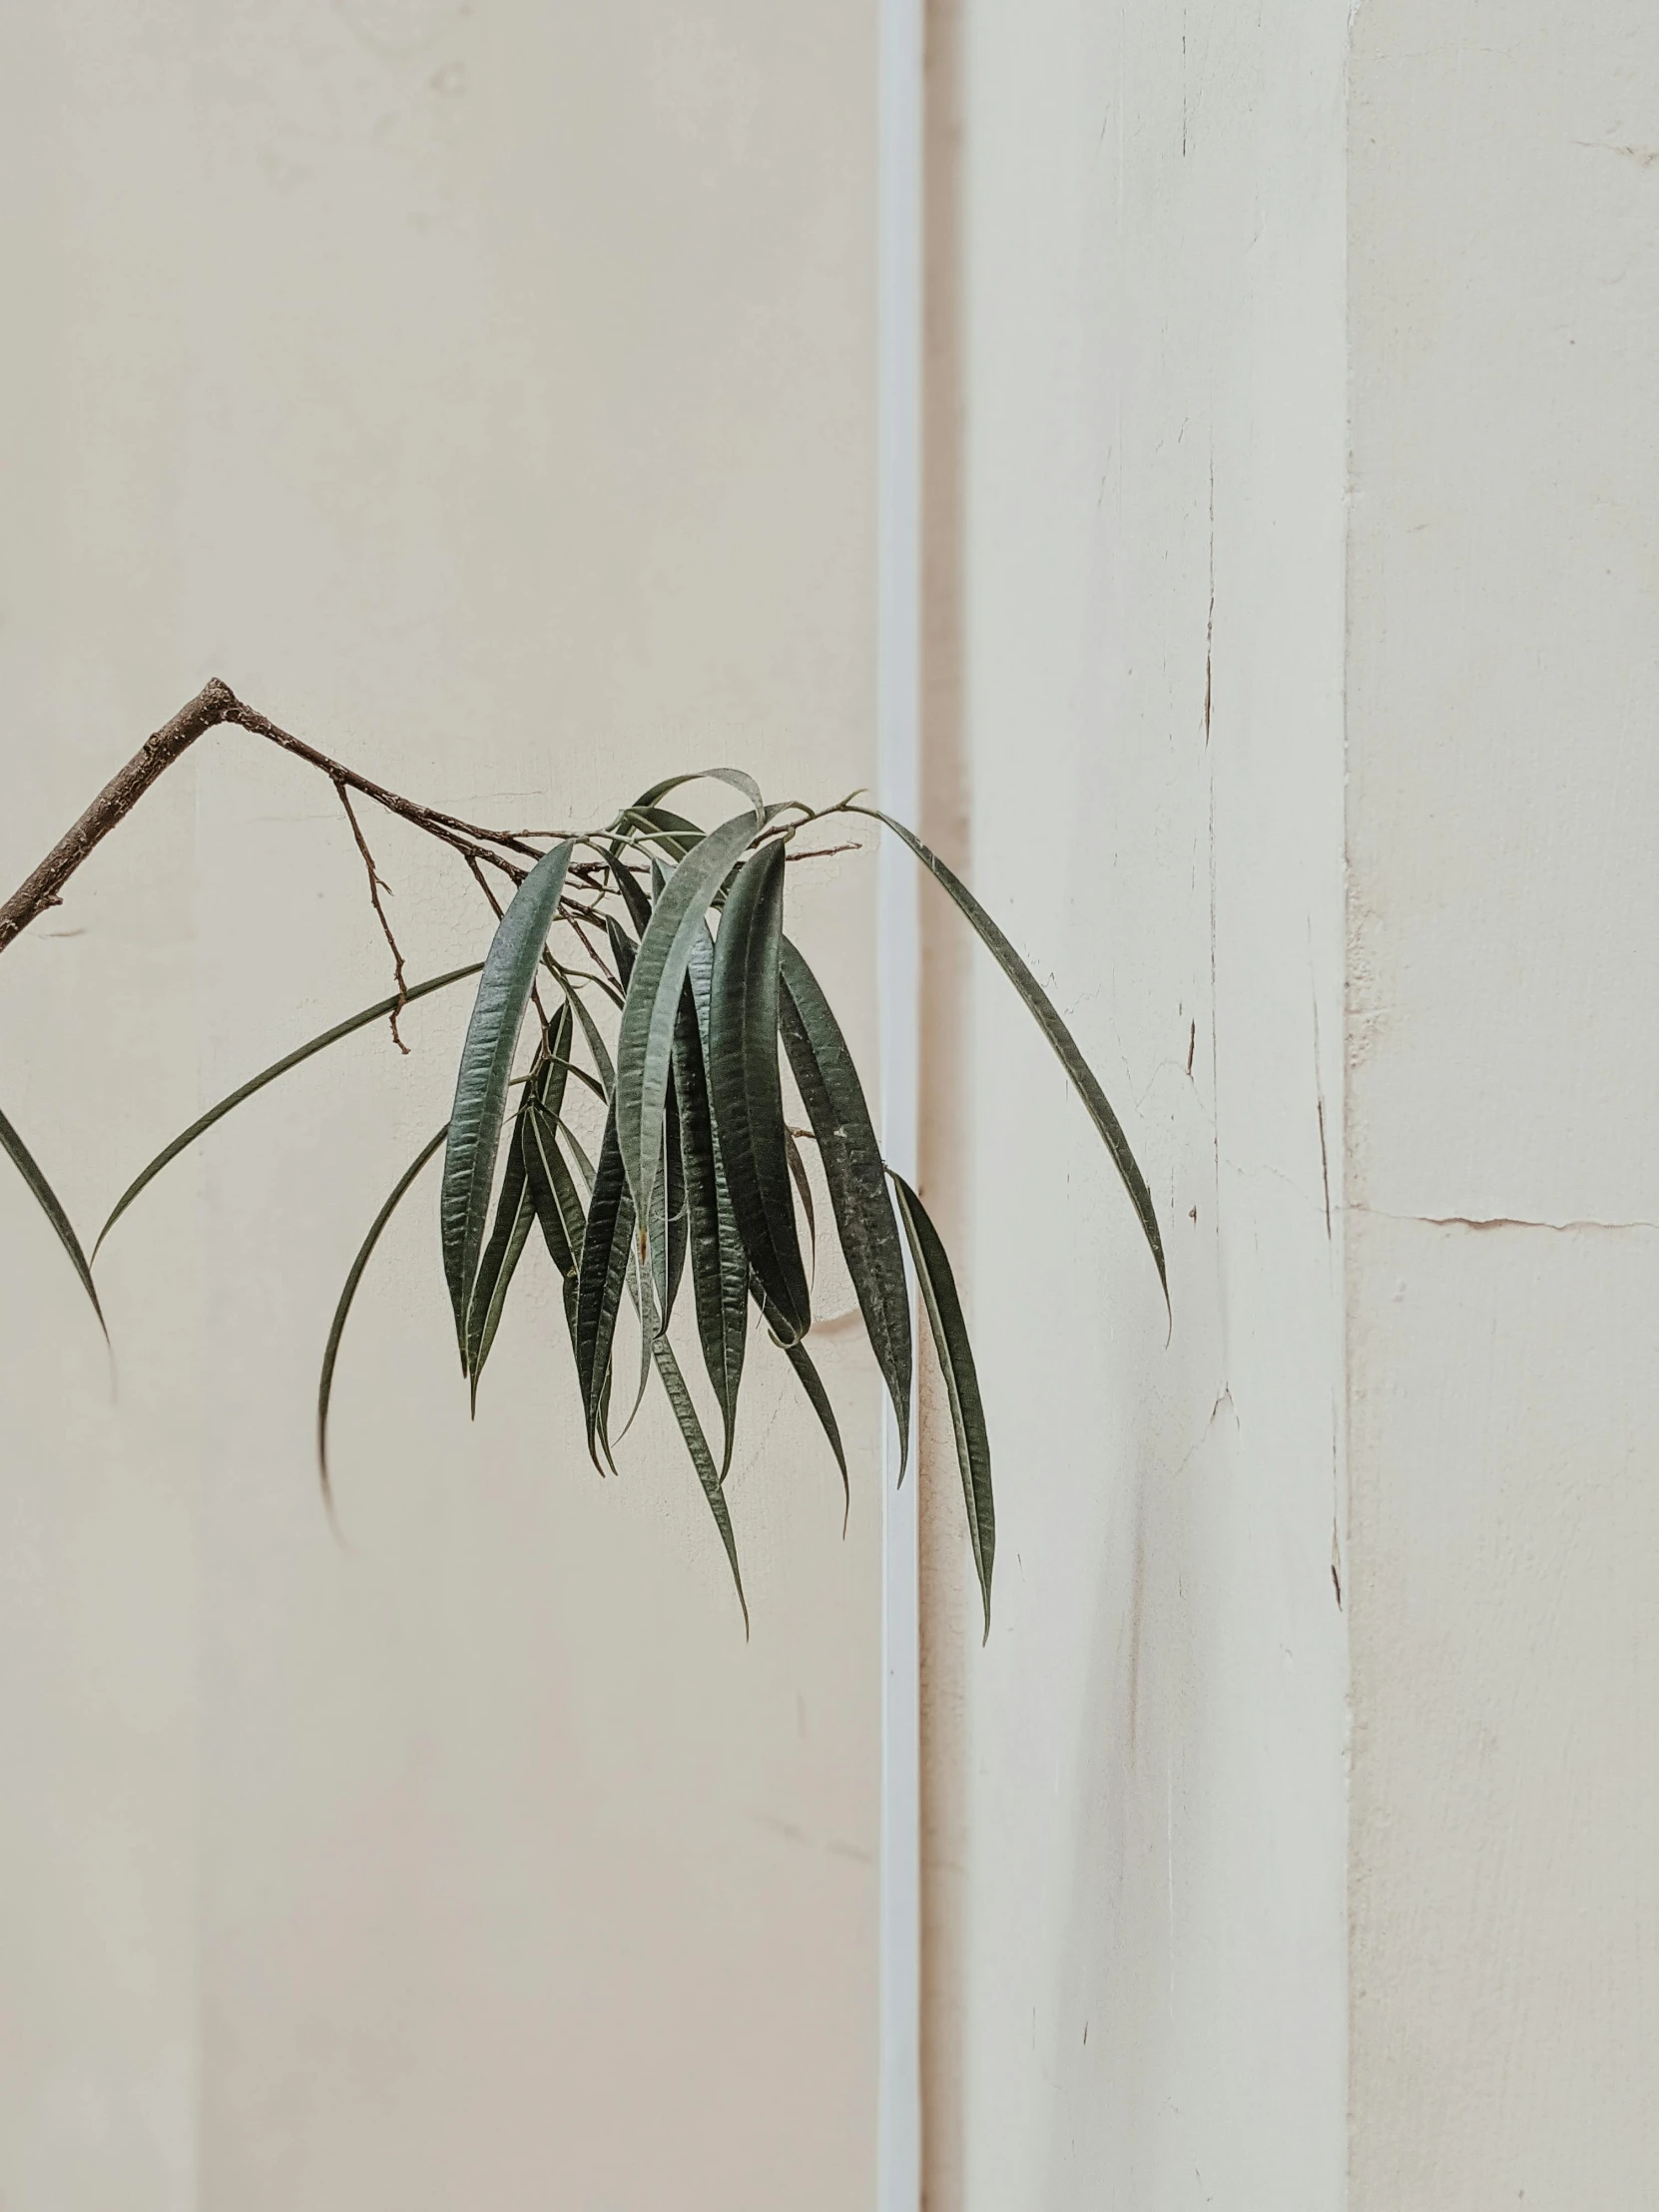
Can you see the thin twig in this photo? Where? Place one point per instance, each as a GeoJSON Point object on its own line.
{"type": "Point", "coordinates": [378, 884]}
{"type": "Point", "coordinates": [214, 705]}
{"type": "Point", "coordinates": [823, 851]}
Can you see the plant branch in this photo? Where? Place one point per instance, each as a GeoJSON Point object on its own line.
{"type": "Point", "coordinates": [215, 703]}
{"type": "Point", "coordinates": [376, 884]}
{"type": "Point", "coordinates": [43, 887]}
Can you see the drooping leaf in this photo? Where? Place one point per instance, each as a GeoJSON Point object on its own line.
{"type": "Point", "coordinates": [200, 1127]}
{"type": "Point", "coordinates": [691, 1428]}
{"type": "Point", "coordinates": [804, 1191]}
{"type": "Point", "coordinates": [338, 1327]}
{"type": "Point", "coordinates": [586, 1081]}
{"type": "Point", "coordinates": [719, 1268]}
{"type": "Point", "coordinates": [813, 1383]}
{"type": "Point", "coordinates": [732, 775]}
{"type": "Point", "coordinates": [670, 832]}
{"type": "Point", "coordinates": [486, 1065]}
{"type": "Point", "coordinates": [1053, 1028]}
{"type": "Point", "coordinates": [623, 949]}
{"type": "Point", "coordinates": [828, 1081]}
{"type": "Point", "coordinates": [47, 1200]}
{"type": "Point", "coordinates": [602, 1275]}
{"type": "Point", "coordinates": [651, 1251]}
{"type": "Point", "coordinates": [632, 890]}
{"type": "Point", "coordinates": [685, 1414]}
{"type": "Point", "coordinates": [746, 1088]}
{"type": "Point", "coordinates": [675, 1225]}
{"type": "Point", "coordinates": [558, 1209]}
{"type": "Point", "coordinates": [514, 1212]}
{"type": "Point", "coordinates": [962, 1381]}
{"type": "Point", "coordinates": [592, 1032]}
{"type": "Point", "coordinates": [644, 1038]}
{"type": "Point", "coordinates": [517, 1232]}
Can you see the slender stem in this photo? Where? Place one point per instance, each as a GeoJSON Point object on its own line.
{"type": "Point", "coordinates": [214, 705]}
{"type": "Point", "coordinates": [42, 888]}
{"type": "Point", "coordinates": [376, 884]}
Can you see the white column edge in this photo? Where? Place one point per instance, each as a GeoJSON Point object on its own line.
{"type": "Point", "coordinates": [899, 754]}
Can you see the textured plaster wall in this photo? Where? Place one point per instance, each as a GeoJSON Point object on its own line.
{"type": "Point", "coordinates": [1135, 1794]}
{"type": "Point", "coordinates": [1503, 1092]}
{"type": "Point", "coordinates": [487, 393]}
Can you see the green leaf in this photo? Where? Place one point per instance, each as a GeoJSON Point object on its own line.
{"type": "Point", "coordinates": [486, 1065]}
{"type": "Point", "coordinates": [675, 1225]}
{"type": "Point", "coordinates": [691, 1428]}
{"type": "Point", "coordinates": [732, 775]}
{"type": "Point", "coordinates": [813, 1383]}
{"type": "Point", "coordinates": [47, 1200]}
{"type": "Point", "coordinates": [337, 1328]}
{"type": "Point", "coordinates": [558, 1209]}
{"type": "Point", "coordinates": [523, 1215]}
{"type": "Point", "coordinates": [961, 1382]}
{"type": "Point", "coordinates": [685, 1414]}
{"type": "Point", "coordinates": [828, 1081]}
{"type": "Point", "coordinates": [623, 949]}
{"type": "Point", "coordinates": [646, 1036]}
{"type": "Point", "coordinates": [672, 833]}
{"type": "Point", "coordinates": [803, 1189]}
{"type": "Point", "coordinates": [745, 1089]}
{"type": "Point", "coordinates": [590, 1031]}
{"type": "Point", "coordinates": [1053, 1027]}
{"type": "Point", "coordinates": [719, 1268]}
{"type": "Point", "coordinates": [602, 1273]}
{"type": "Point", "coordinates": [633, 894]}
{"type": "Point", "coordinates": [376, 1012]}
{"type": "Point", "coordinates": [514, 1212]}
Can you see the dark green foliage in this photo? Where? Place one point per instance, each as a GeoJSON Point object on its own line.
{"type": "Point", "coordinates": [675, 938]}
{"type": "Point", "coordinates": [961, 1382]}
{"type": "Point", "coordinates": [46, 1199]}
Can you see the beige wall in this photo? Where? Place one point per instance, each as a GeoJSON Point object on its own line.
{"type": "Point", "coordinates": [1135, 1793]}
{"type": "Point", "coordinates": [1503, 1092]}
{"type": "Point", "coordinates": [487, 393]}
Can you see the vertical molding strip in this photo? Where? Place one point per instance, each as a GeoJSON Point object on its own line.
{"type": "Point", "coordinates": [898, 697]}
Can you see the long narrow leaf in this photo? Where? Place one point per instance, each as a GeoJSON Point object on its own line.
{"type": "Point", "coordinates": [486, 1065]}
{"type": "Point", "coordinates": [962, 1381]}
{"type": "Point", "coordinates": [633, 894]}
{"type": "Point", "coordinates": [518, 1231]}
{"type": "Point", "coordinates": [829, 1084]}
{"type": "Point", "coordinates": [675, 1223]}
{"type": "Point", "coordinates": [732, 775]}
{"type": "Point", "coordinates": [514, 1212]}
{"type": "Point", "coordinates": [47, 1200]}
{"type": "Point", "coordinates": [200, 1127]}
{"type": "Point", "coordinates": [1053, 1028]}
{"type": "Point", "coordinates": [813, 1383]}
{"type": "Point", "coordinates": [719, 1269]}
{"type": "Point", "coordinates": [746, 1088]}
{"type": "Point", "coordinates": [336, 1327]}
{"type": "Point", "coordinates": [670, 833]}
{"type": "Point", "coordinates": [804, 1191]}
{"type": "Point", "coordinates": [558, 1209]}
{"type": "Point", "coordinates": [644, 1038]}
{"type": "Point", "coordinates": [590, 1031]}
{"type": "Point", "coordinates": [601, 1274]}
{"type": "Point", "coordinates": [691, 1428]}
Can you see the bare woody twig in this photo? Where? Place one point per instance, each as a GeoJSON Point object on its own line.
{"type": "Point", "coordinates": [376, 884]}
{"type": "Point", "coordinates": [114, 802]}
{"type": "Point", "coordinates": [214, 705]}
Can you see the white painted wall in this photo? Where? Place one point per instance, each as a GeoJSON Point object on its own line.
{"type": "Point", "coordinates": [489, 393]}
{"type": "Point", "coordinates": [1503, 1093]}
{"type": "Point", "coordinates": [1135, 1812]}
